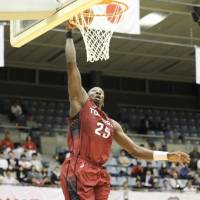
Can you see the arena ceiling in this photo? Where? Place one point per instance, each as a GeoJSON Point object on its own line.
{"type": "Point", "coordinates": [164, 51]}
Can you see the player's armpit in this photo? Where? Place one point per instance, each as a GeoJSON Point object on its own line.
{"type": "Point", "coordinates": [126, 143]}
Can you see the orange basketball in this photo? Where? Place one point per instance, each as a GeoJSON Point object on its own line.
{"type": "Point", "coordinates": [110, 10]}
{"type": "Point", "coordinates": [84, 18]}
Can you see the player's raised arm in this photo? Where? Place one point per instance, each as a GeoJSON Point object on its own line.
{"type": "Point", "coordinates": [77, 94]}
{"type": "Point", "coordinates": [142, 153]}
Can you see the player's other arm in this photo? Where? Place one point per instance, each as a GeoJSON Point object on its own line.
{"type": "Point", "coordinates": [77, 94]}
{"type": "Point", "coordinates": [142, 153]}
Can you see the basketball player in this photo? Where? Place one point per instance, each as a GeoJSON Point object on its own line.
{"type": "Point", "coordinates": [89, 138]}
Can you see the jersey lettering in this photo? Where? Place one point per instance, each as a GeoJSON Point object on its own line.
{"type": "Point", "coordinates": [94, 112]}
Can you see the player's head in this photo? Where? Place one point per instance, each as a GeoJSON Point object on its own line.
{"type": "Point", "coordinates": [97, 95]}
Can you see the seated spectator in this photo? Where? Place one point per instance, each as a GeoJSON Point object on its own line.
{"type": "Point", "coordinates": [13, 162]}
{"type": "Point", "coordinates": [148, 167]}
{"type": "Point", "coordinates": [195, 156]}
{"type": "Point", "coordinates": [36, 162]}
{"type": "Point", "coordinates": [7, 143]}
{"type": "Point", "coordinates": [24, 163]}
{"type": "Point", "coordinates": [3, 163]}
{"type": "Point", "coordinates": [184, 172]}
{"type": "Point", "coordinates": [196, 180]}
{"type": "Point", "coordinates": [16, 113]}
{"type": "Point", "coordinates": [162, 125]}
{"type": "Point", "coordinates": [149, 179]}
{"type": "Point", "coordinates": [176, 183]}
{"type": "Point", "coordinates": [29, 144]}
{"type": "Point", "coordinates": [46, 175]}
{"type": "Point", "coordinates": [165, 186]}
{"type": "Point", "coordinates": [189, 187]}
{"type": "Point", "coordinates": [55, 175]}
{"type": "Point", "coordinates": [18, 150]}
{"type": "Point", "coordinates": [9, 178]}
{"type": "Point", "coordinates": [173, 169]}
{"type": "Point", "coordinates": [37, 178]}
{"type": "Point", "coordinates": [137, 170]}
{"type": "Point", "coordinates": [123, 159]}
{"type": "Point", "coordinates": [146, 124]}
{"type": "Point", "coordinates": [163, 171]}
{"type": "Point", "coordinates": [23, 169]}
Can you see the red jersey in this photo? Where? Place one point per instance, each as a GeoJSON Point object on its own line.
{"type": "Point", "coordinates": [7, 143]}
{"type": "Point", "coordinates": [29, 145]}
{"type": "Point", "coordinates": [90, 134]}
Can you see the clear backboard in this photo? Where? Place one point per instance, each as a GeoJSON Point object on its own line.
{"type": "Point", "coordinates": [24, 31]}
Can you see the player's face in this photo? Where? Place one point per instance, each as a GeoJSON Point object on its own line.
{"type": "Point", "coordinates": [97, 95]}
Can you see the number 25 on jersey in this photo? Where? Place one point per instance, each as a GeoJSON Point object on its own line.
{"type": "Point", "coordinates": [102, 130]}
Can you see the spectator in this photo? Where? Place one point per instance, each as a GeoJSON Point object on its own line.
{"type": "Point", "coordinates": [36, 162]}
{"type": "Point", "coordinates": [24, 163]}
{"type": "Point", "coordinates": [162, 125]}
{"type": "Point", "coordinates": [3, 163]}
{"type": "Point", "coordinates": [36, 178]}
{"type": "Point", "coordinates": [149, 179]}
{"type": "Point", "coordinates": [175, 183]}
{"type": "Point", "coordinates": [29, 144]}
{"type": "Point", "coordinates": [184, 172]}
{"type": "Point", "coordinates": [149, 167]}
{"type": "Point", "coordinates": [195, 156]}
{"type": "Point", "coordinates": [137, 170]}
{"type": "Point", "coordinates": [123, 159]}
{"type": "Point", "coordinates": [196, 180]}
{"type": "Point", "coordinates": [16, 114]}
{"type": "Point", "coordinates": [55, 175]}
{"type": "Point", "coordinates": [9, 178]}
{"type": "Point", "coordinates": [189, 187]}
{"type": "Point", "coordinates": [23, 169]}
{"type": "Point", "coordinates": [163, 172]}
{"type": "Point", "coordinates": [146, 124]}
{"type": "Point", "coordinates": [165, 186]}
{"type": "Point", "coordinates": [7, 142]}
{"type": "Point", "coordinates": [173, 169]}
{"type": "Point", "coordinates": [46, 175]}
{"type": "Point", "coordinates": [13, 162]}
{"type": "Point", "coordinates": [18, 150]}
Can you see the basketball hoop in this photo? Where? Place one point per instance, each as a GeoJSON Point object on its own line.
{"type": "Point", "coordinates": [96, 38]}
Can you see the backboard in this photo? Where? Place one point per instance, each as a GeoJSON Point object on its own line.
{"type": "Point", "coordinates": [24, 31]}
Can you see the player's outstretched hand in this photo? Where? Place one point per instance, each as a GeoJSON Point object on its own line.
{"type": "Point", "coordinates": [178, 156]}
{"type": "Point", "coordinates": [70, 25]}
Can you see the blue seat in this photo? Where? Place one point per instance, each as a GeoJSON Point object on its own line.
{"type": "Point", "coordinates": [113, 181]}
{"type": "Point", "coordinates": [112, 170]}
{"type": "Point", "coordinates": [121, 180]}
{"type": "Point", "coordinates": [131, 181]}
{"type": "Point", "coordinates": [112, 161]}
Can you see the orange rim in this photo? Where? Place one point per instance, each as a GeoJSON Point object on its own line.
{"type": "Point", "coordinates": [125, 8]}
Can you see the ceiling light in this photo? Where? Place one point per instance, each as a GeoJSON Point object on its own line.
{"type": "Point", "coordinates": [152, 19]}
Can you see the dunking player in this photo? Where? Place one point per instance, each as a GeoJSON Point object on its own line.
{"type": "Point", "coordinates": [89, 138]}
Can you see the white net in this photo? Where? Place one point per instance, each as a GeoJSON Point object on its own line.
{"type": "Point", "coordinates": [97, 43]}
{"type": "Point", "coordinates": [97, 40]}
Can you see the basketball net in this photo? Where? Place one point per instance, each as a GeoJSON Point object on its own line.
{"type": "Point", "coordinates": [97, 40]}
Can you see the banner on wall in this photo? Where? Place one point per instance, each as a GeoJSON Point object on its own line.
{"type": "Point", "coordinates": [42, 193]}
{"type": "Point", "coordinates": [197, 60]}
{"type": "Point", "coordinates": [1, 46]}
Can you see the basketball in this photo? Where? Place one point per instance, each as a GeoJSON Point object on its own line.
{"type": "Point", "coordinates": [111, 9]}
{"type": "Point", "coordinates": [84, 18]}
